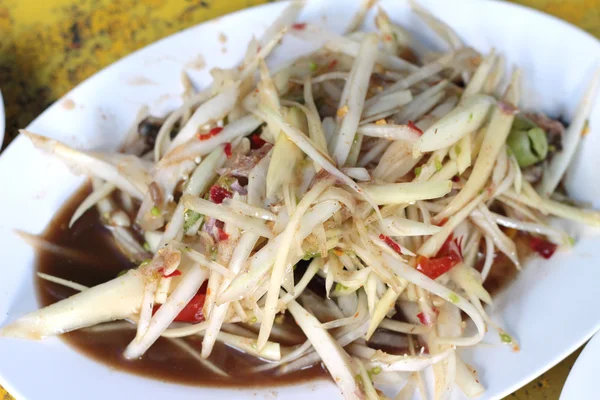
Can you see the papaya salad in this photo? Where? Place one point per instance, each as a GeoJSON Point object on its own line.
{"type": "Point", "coordinates": [393, 176]}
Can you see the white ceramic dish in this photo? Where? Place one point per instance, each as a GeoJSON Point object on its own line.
{"type": "Point", "coordinates": [582, 381]}
{"type": "Point", "coordinates": [540, 308]}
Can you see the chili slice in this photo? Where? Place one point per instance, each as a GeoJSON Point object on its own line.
{"type": "Point", "coordinates": [211, 133]}
{"type": "Point", "coordinates": [425, 320]}
{"type": "Point", "coordinates": [221, 234]}
{"type": "Point", "coordinates": [227, 150]}
{"type": "Point", "coordinates": [219, 193]}
{"type": "Point", "coordinates": [414, 127]}
{"type": "Point", "coordinates": [442, 222]}
{"type": "Point", "coordinates": [543, 247]}
{"type": "Point", "coordinates": [256, 142]}
{"type": "Point", "coordinates": [172, 274]}
{"type": "Point", "coordinates": [388, 240]}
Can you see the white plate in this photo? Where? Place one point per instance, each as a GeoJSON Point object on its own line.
{"type": "Point", "coordinates": [582, 382]}
{"type": "Point", "coordinates": [543, 308]}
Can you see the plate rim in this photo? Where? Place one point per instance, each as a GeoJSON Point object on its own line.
{"type": "Point", "coordinates": [252, 9]}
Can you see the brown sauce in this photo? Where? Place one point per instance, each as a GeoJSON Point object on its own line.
{"type": "Point", "coordinates": [164, 360]}
{"type": "Point", "coordinates": [503, 271]}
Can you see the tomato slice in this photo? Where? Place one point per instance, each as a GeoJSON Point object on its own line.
{"type": "Point", "coordinates": [449, 255]}
{"type": "Point", "coordinates": [192, 312]}
{"type": "Point", "coordinates": [452, 247]}
{"type": "Point", "coordinates": [435, 267]}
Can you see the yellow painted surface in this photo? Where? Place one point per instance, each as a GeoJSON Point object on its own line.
{"type": "Point", "coordinates": [48, 47]}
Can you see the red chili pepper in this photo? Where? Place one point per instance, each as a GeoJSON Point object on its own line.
{"type": "Point", "coordinates": [222, 235]}
{"type": "Point", "coordinates": [299, 26]}
{"type": "Point", "coordinates": [332, 64]}
{"type": "Point", "coordinates": [543, 247]}
{"type": "Point", "coordinates": [388, 240]}
{"type": "Point", "coordinates": [211, 133]}
{"type": "Point", "coordinates": [192, 312]}
{"type": "Point", "coordinates": [219, 193]}
{"type": "Point", "coordinates": [412, 126]}
{"type": "Point", "coordinates": [425, 320]}
{"type": "Point", "coordinates": [455, 179]}
{"type": "Point", "coordinates": [227, 150]}
{"type": "Point", "coordinates": [443, 222]}
{"type": "Point", "coordinates": [256, 142]}
{"type": "Point", "coordinates": [172, 274]}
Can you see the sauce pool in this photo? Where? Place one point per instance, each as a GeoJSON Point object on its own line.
{"type": "Point", "coordinates": [105, 343]}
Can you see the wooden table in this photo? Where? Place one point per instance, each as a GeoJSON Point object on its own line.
{"type": "Point", "coordinates": [49, 47]}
